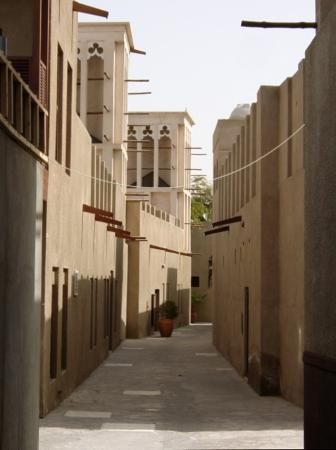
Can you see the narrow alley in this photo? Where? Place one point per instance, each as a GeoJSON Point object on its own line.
{"type": "Point", "coordinates": [176, 393]}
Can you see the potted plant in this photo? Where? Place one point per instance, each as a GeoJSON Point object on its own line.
{"type": "Point", "coordinates": [168, 313]}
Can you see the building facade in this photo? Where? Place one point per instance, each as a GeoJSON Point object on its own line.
{"type": "Point", "coordinates": [85, 272]}
{"type": "Point", "coordinates": [159, 214]}
{"type": "Point", "coordinates": [258, 240]}
{"type": "Point", "coordinates": [201, 277]}
{"type": "Point", "coordinates": [23, 163]}
{"type": "Point", "coordinates": [320, 237]}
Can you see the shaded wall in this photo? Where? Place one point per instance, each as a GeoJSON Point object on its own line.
{"type": "Point", "coordinates": [21, 185]}
{"type": "Point", "coordinates": [154, 271]}
{"type": "Point", "coordinates": [320, 238]}
{"type": "Point", "coordinates": [202, 268]}
{"type": "Point", "coordinates": [258, 262]}
{"type": "Point", "coordinates": [17, 22]}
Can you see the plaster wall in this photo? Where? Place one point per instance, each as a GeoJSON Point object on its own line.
{"type": "Point", "coordinates": [320, 220]}
{"type": "Point", "coordinates": [258, 263]}
{"type": "Point", "coordinates": [17, 23]}
{"type": "Point", "coordinates": [291, 239]}
{"type": "Point", "coordinates": [94, 321]}
{"type": "Point", "coordinates": [202, 253]}
{"type": "Point", "coordinates": [21, 210]}
{"type": "Point", "coordinates": [152, 270]}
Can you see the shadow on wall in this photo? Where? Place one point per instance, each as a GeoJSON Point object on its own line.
{"type": "Point", "coordinates": [85, 324]}
{"type": "Point", "coordinates": [179, 295]}
{"type": "Point", "coordinates": [21, 186]}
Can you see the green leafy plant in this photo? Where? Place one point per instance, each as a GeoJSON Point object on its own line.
{"type": "Point", "coordinates": [169, 310]}
{"type": "Point", "coordinates": [201, 202]}
{"type": "Point", "coordinates": [197, 298]}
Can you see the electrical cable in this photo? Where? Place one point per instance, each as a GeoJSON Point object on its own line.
{"type": "Point", "coordinates": [234, 172]}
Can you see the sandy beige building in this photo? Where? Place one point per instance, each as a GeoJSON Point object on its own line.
{"type": "Point", "coordinates": [320, 237]}
{"type": "Point", "coordinates": [258, 241]}
{"type": "Point", "coordinates": [158, 213]}
{"type": "Point", "coordinates": [23, 164]}
{"type": "Point", "coordinates": [201, 276]}
{"type": "Point", "coordinates": [85, 280]}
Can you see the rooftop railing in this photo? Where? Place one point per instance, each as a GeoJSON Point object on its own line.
{"type": "Point", "coordinates": [21, 111]}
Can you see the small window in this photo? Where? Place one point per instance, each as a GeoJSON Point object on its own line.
{"type": "Point", "coordinates": [195, 282]}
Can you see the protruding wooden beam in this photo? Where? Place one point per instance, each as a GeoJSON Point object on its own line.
{"type": "Point", "coordinates": [86, 9]}
{"type": "Point", "coordinates": [228, 221]}
{"type": "Point", "coordinates": [107, 220]}
{"type": "Point", "coordinates": [218, 230]}
{"type": "Point", "coordinates": [101, 212]}
{"type": "Point", "coordinates": [137, 81]}
{"type": "Point", "coordinates": [139, 93]}
{"type": "Point", "coordinates": [292, 25]}
{"type": "Point", "coordinates": [138, 52]}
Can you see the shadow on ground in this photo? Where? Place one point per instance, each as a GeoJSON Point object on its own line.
{"type": "Point", "coordinates": [199, 392]}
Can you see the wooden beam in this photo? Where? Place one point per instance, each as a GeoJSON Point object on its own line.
{"type": "Point", "coordinates": [86, 9]}
{"type": "Point", "coordinates": [118, 231]}
{"type": "Point", "coordinates": [189, 255]}
{"type": "Point", "coordinates": [163, 249]}
{"type": "Point", "coordinates": [138, 52]}
{"type": "Point", "coordinates": [139, 93]}
{"type": "Point", "coordinates": [291, 25]}
{"type": "Point", "coordinates": [101, 212]}
{"type": "Point", "coordinates": [107, 220]}
{"type": "Point", "coordinates": [228, 221]}
{"type": "Point", "coordinates": [137, 81]}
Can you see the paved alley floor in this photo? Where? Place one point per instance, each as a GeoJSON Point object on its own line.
{"type": "Point", "coordinates": [170, 394]}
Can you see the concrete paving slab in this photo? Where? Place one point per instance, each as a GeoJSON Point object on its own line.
{"type": "Point", "coordinates": [145, 393]}
{"type": "Point", "coordinates": [88, 415]}
{"type": "Point", "coordinates": [203, 404]}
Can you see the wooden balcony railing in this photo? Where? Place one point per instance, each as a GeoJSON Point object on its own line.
{"type": "Point", "coordinates": [21, 111]}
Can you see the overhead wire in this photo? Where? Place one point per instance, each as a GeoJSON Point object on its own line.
{"type": "Point", "coordinates": [234, 172]}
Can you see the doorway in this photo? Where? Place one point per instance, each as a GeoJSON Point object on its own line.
{"type": "Point", "coordinates": [111, 314]}
{"type": "Point", "coordinates": [157, 310]}
{"type": "Point", "coordinates": [246, 328]}
{"type": "Point", "coordinates": [152, 312]}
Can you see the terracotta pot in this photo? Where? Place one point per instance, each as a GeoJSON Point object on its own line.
{"type": "Point", "coordinates": [166, 327]}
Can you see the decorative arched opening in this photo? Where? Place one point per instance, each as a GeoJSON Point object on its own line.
{"type": "Point", "coordinates": [132, 157]}
{"type": "Point", "coordinates": [95, 95]}
{"type": "Point", "coordinates": [165, 158]}
{"type": "Point", "coordinates": [147, 158]}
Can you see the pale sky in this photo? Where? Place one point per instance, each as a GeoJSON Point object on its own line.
{"type": "Point", "coordinates": [199, 57]}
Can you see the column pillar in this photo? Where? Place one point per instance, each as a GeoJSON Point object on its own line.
{"type": "Point", "coordinates": [109, 100]}
{"type": "Point", "coordinates": [156, 156]}
{"type": "Point", "coordinates": [83, 81]}
{"type": "Point", "coordinates": [139, 164]}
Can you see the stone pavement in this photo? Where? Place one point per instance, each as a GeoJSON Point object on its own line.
{"type": "Point", "coordinates": [170, 394]}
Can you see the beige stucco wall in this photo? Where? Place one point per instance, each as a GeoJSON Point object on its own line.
{"type": "Point", "coordinates": [75, 241]}
{"type": "Point", "coordinates": [152, 269]}
{"type": "Point", "coordinates": [202, 253]}
{"type": "Point", "coordinates": [17, 22]}
{"type": "Point", "coordinates": [264, 251]}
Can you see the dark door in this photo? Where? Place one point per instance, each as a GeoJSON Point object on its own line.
{"type": "Point", "coordinates": [111, 311]}
{"type": "Point", "coordinates": [246, 330]}
{"type": "Point", "coordinates": [153, 312]}
{"type": "Point", "coordinates": [157, 309]}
